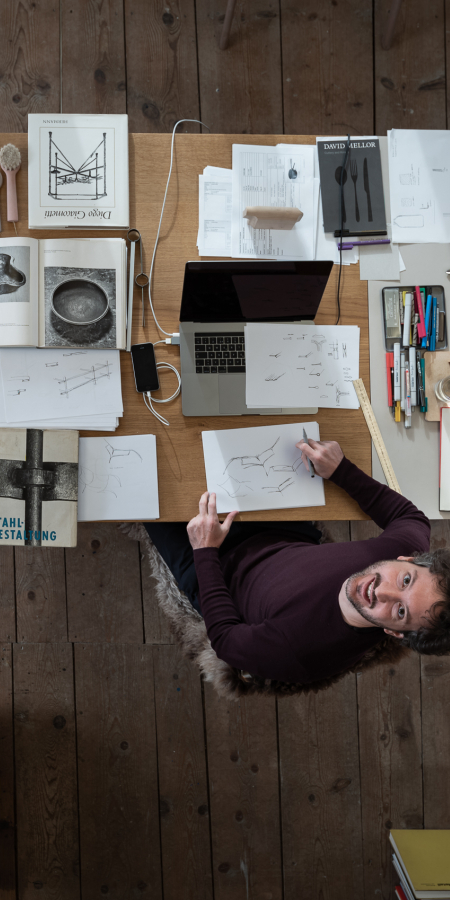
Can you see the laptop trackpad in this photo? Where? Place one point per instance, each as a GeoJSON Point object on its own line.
{"type": "Point", "coordinates": [232, 398]}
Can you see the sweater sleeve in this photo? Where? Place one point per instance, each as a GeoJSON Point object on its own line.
{"type": "Point", "coordinates": [388, 509]}
{"type": "Point", "coordinates": [240, 645]}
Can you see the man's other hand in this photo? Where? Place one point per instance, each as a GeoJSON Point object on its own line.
{"type": "Point", "coordinates": [325, 455]}
{"type": "Point", "coordinates": [205, 530]}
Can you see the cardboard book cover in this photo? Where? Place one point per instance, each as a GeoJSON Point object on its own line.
{"type": "Point", "coordinates": [78, 171]}
{"type": "Point", "coordinates": [38, 487]}
{"type": "Point", "coordinates": [363, 210]}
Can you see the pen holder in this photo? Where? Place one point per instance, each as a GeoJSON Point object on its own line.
{"type": "Point", "coordinates": [279, 218]}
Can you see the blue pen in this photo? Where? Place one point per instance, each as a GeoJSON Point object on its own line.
{"type": "Point", "coordinates": [434, 325]}
{"type": "Point", "coordinates": [427, 322]}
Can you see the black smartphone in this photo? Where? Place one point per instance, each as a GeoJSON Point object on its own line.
{"type": "Point", "coordinates": [144, 368]}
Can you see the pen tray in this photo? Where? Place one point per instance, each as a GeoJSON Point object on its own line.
{"type": "Point", "coordinates": [390, 295]}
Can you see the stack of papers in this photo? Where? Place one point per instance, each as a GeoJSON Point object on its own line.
{"type": "Point", "coordinates": [118, 478]}
{"type": "Point", "coordinates": [214, 221]}
{"type": "Point", "coordinates": [78, 389]}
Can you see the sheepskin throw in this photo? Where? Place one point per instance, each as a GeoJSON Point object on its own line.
{"type": "Point", "coordinates": [189, 629]}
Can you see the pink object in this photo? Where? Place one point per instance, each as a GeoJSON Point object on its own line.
{"type": "Point", "coordinates": [11, 194]}
{"type": "Point", "coordinates": [421, 330]}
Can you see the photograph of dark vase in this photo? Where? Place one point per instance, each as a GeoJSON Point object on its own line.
{"type": "Point", "coordinates": [78, 301]}
{"type": "Point", "coordinates": [11, 279]}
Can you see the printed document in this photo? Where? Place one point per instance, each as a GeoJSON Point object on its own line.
{"type": "Point", "coordinates": [301, 365]}
{"type": "Point", "coordinates": [419, 178]}
{"type": "Point", "coordinates": [273, 176]}
{"type": "Point", "coordinates": [214, 231]}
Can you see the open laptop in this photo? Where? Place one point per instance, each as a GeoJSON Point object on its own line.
{"type": "Point", "coordinates": [218, 299]}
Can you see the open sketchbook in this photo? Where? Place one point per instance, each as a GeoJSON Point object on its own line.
{"type": "Point", "coordinates": [63, 293]}
{"type": "Point", "coordinates": [78, 171]}
{"type": "Point", "coordinates": [118, 478]}
{"type": "Point", "coordinates": [260, 468]}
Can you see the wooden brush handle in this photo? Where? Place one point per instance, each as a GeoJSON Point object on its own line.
{"type": "Point", "coordinates": [11, 195]}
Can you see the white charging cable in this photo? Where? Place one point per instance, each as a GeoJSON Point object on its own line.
{"type": "Point", "coordinates": [175, 337]}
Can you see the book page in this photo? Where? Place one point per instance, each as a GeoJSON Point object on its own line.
{"type": "Point", "coordinates": [18, 292]}
{"type": "Point", "coordinates": [82, 293]}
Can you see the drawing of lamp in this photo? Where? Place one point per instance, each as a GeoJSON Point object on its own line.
{"type": "Point", "coordinates": [11, 279]}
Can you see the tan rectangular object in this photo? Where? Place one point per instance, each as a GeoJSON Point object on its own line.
{"type": "Point", "coordinates": [279, 218]}
{"type": "Point", "coordinates": [437, 366]}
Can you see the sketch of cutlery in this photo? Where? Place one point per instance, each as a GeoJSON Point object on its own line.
{"type": "Point", "coordinates": [337, 176]}
{"type": "Point", "coordinates": [354, 174]}
{"type": "Point", "coordinates": [367, 190]}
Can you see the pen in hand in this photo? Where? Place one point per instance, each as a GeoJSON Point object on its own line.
{"type": "Point", "coordinates": [310, 463]}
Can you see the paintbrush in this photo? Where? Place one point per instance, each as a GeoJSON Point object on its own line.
{"type": "Point", "coordinates": [10, 163]}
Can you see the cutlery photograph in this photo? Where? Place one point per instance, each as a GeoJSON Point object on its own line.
{"type": "Point", "coordinates": [337, 176]}
{"type": "Point", "coordinates": [367, 190]}
{"type": "Point", "coordinates": [354, 175]}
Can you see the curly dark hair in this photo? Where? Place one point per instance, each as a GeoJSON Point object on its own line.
{"type": "Point", "coordinates": [434, 639]}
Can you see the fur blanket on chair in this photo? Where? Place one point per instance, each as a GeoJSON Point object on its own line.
{"type": "Point", "coordinates": [189, 629]}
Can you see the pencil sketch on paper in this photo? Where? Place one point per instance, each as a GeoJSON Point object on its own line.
{"type": "Point", "coordinates": [91, 376]}
{"type": "Point", "coordinates": [98, 483]}
{"type": "Point", "coordinates": [318, 340]}
{"type": "Point", "coordinates": [340, 394]}
{"type": "Point", "coordinates": [235, 487]}
{"type": "Point", "coordinates": [99, 478]}
{"type": "Point", "coordinates": [276, 355]}
{"type": "Point", "coordinates": [273, 377]}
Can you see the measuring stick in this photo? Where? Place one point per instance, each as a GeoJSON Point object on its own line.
{"type": "Point", "coordinates": [375, 434]}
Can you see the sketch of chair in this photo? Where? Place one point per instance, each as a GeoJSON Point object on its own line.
{"type": "Point", "coordinates": [62, 172]}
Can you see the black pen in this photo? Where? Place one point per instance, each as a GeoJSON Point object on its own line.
{"type": "Point", "coordinates": [420, 384]}
{"type": "Point", "coordinates": [310, 464]}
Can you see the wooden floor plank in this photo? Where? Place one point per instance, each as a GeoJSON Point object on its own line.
{"type": "Point", "coordinates": [161, 50]}
{"type": "Point", "coordinates": [391, 765]}
{"type": "Point", "coordinates": [7, 596]}
{"type": "Point", "coordinates": [103, 586]}
{"type": "Point", "coordinates": [244, 797]}
{"type": "Point", "coordinates": [410, 76]}
{"type": "Point", "coordinates": [93, 31]}
{"type": "Point", "coordinates": [364, 531]}
{"type": "Point", "coordinates": [240, 87]}
{"type": "Point", "coordinates": [156, 624]}
{"type": "Point", "coordinates": [327, 66]}
{"type": "Point", "coordinates": [183, 787]}
{"type": "Point", "coordinates": [320, 794]}
{"type": "Point", "coordinates": [41, 594]}
{"type": "Point", "coordinates": [7, 811]}
{"type": "Point", "coordinates": [47, 814]}
{"type": "Point", "coordinates": [117, 772]}
{"type": "Point", "coordinates": [29, 54]}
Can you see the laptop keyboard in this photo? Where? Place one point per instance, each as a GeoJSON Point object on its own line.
{"type": "Point", "coordinates": [219, 353]}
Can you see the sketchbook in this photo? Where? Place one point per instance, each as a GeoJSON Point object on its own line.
{"type": "Point", "coordinates": [260, 468]}
{"type": "Point", "coordinates": [118, 478]}
{"type": "Point", "coordinates": [78, 171]}
{"type": "Point", "coordinates": [38, 487]}
{"type": "Point", "coordinates": [63, 293]}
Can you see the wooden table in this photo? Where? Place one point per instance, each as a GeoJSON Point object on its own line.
{"type": "Point", "coordinates": [181, 472]}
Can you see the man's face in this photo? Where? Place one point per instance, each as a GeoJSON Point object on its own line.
{"type": "Point", "coordinates": [394, 594]}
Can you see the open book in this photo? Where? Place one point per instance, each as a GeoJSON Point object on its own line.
{"type": "Point", "coordinates": [78, 171]}
{"type": "Point", "coordinates": [63, 293]}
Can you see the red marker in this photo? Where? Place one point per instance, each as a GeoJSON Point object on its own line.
{"type": "Point", "coordinates": [421, 330]}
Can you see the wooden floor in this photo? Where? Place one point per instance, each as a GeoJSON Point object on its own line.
{"type": "Point", "coordinates": [121, 774]}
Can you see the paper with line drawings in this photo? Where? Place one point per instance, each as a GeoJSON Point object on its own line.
{"type": "Point", "coordinates": [419, 183]}
{"type": "Point", "coordinates": [118, 478]}
{"type": "Point", "coordinates": [301, 365]}
{"type": "Point", "coordinates": [260, 468]}
{"type": "Point", "coordinates": [51, 384]}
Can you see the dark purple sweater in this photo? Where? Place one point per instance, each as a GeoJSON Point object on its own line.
{"type": "Point", "coordinates": [271, 604]}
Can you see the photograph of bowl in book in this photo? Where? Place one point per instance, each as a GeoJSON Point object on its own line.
{"type": "Point", "coordinates": [63, 293]}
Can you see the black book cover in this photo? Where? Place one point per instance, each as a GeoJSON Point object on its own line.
{"type": "Point", "coordinates": [363, 206]}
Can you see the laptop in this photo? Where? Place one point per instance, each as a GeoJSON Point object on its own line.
{"type": "Point", "coordinates": [218, 299]}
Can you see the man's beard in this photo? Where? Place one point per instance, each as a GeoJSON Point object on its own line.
{"type": "Point", "coordinates": [360, 608]}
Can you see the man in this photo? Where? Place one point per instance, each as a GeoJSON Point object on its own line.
{"type": "Point", "coordinates": [281, 606]}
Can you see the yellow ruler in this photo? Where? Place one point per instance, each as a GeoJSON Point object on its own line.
{"type": "Point", "coordinates": [375, 434]}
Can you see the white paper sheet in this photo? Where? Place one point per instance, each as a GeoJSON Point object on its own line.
{"type": "Point", "coordinates": [47, 384]}
{"type": "Point", "coordinates": [299, 365]}
{"type": "Point", "coordinates": [260, 468]}
{"type": "Point", "coordinates": [419, 178]}
{"type": "Point", "coordinates": [118, 478]}
{"type": "Point", "coordinates": [217, 170]}
{"type": "Point", "coordinates": [214, 231]}
{"type": "Point", "coordinates": [380, 261]}
{"type": "Point", "coordinates": [273, 176]}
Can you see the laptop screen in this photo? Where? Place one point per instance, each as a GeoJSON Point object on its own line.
{"type": "Point", "coordinates": [253, 291]}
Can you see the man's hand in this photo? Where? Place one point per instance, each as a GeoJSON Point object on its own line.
{"type": "Point", "coordinates": [325, 455]}
{"type": "Point", "coordinates": [205, 530]}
